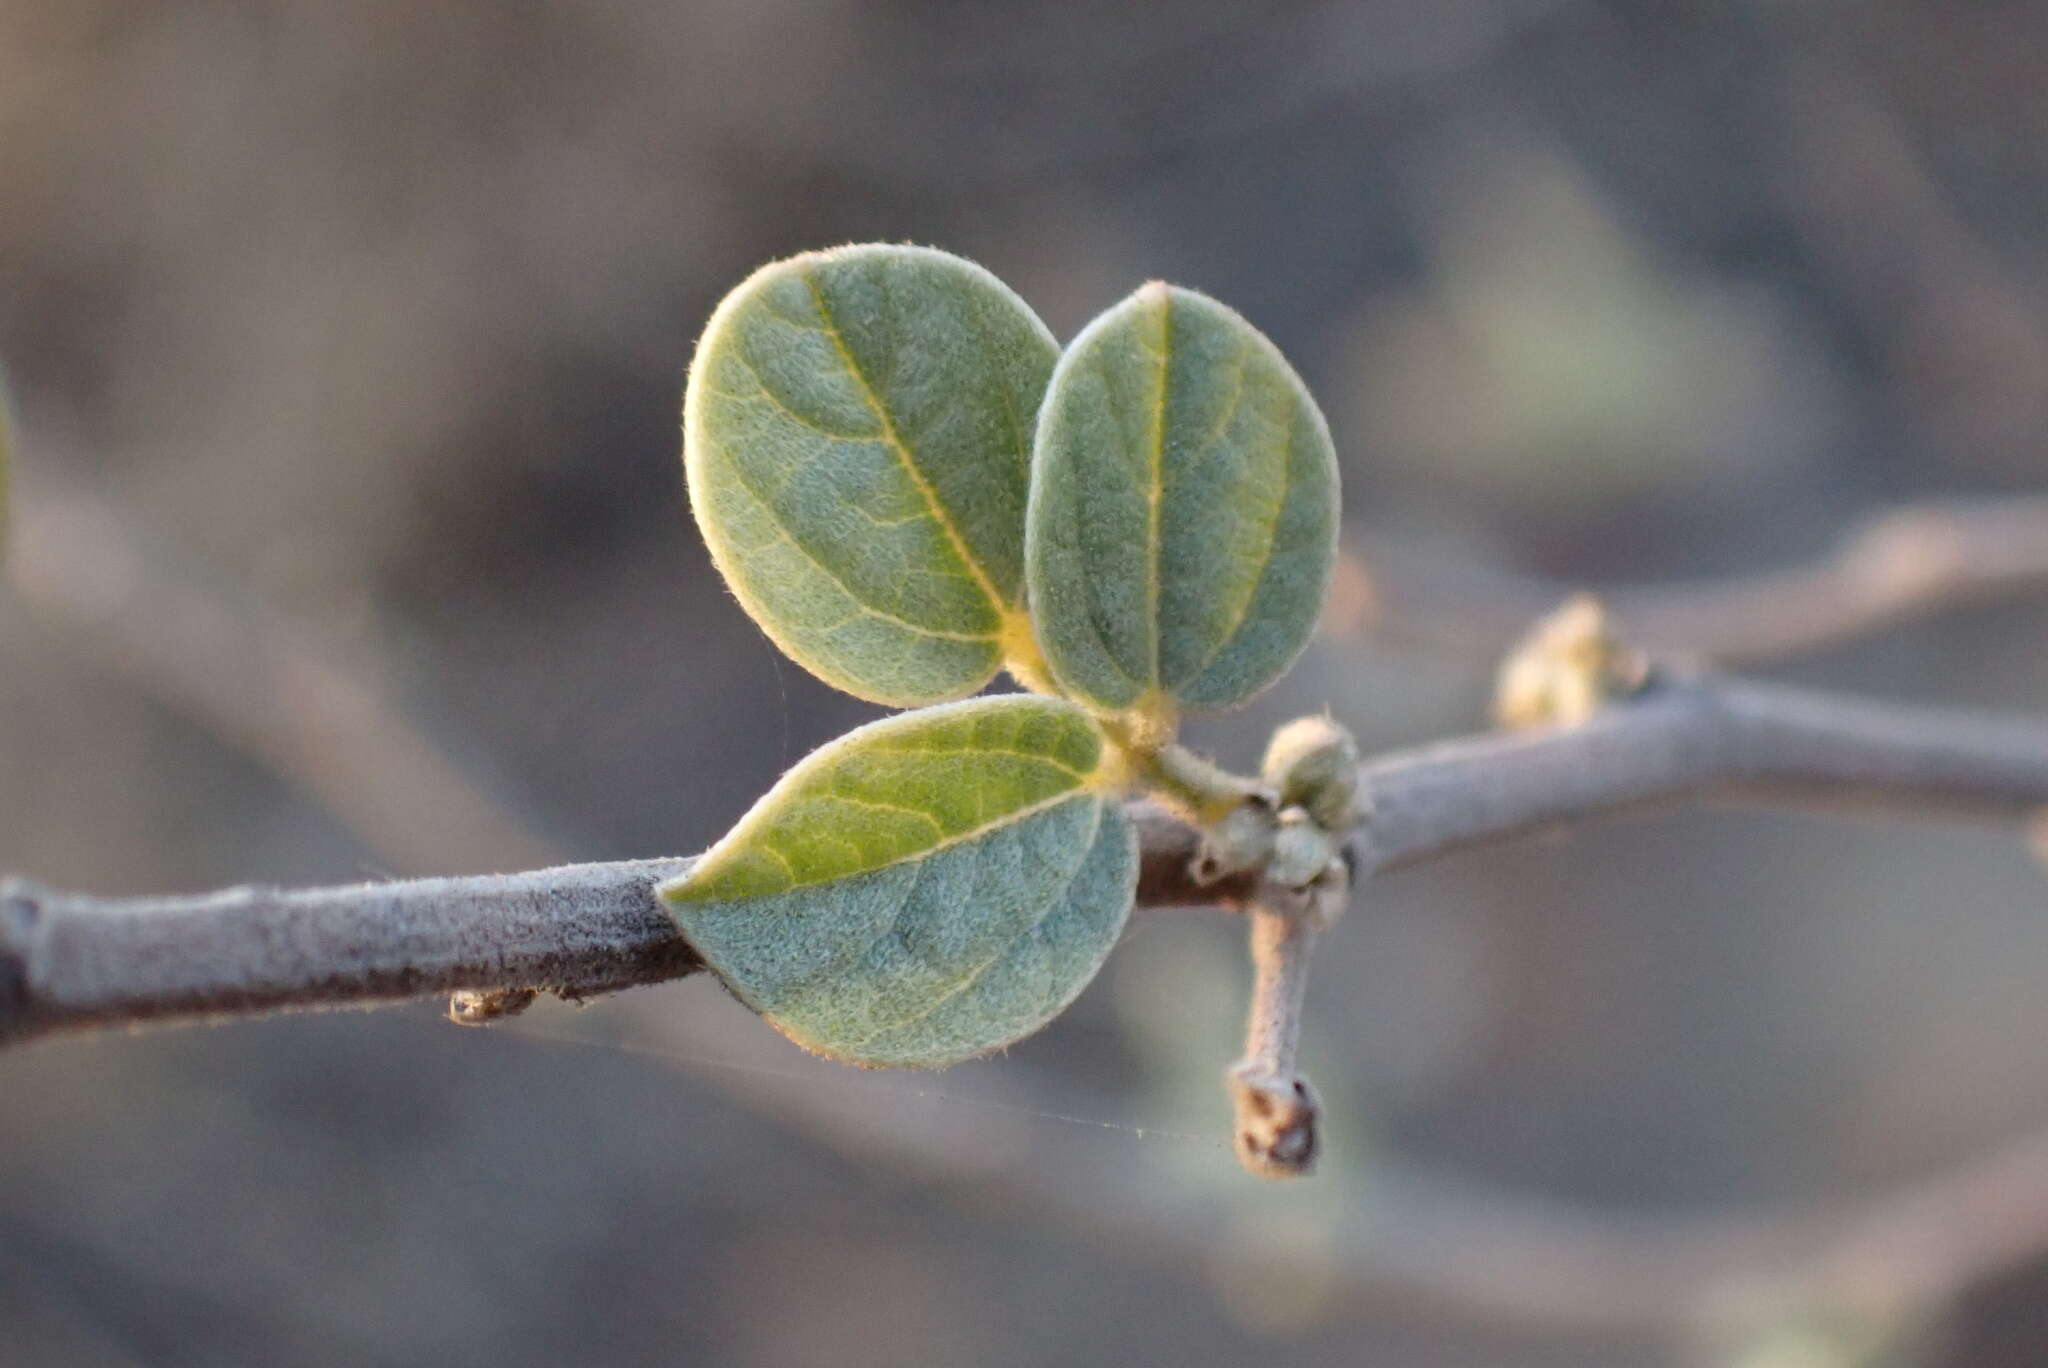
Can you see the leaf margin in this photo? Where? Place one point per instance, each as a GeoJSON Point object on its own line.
{"type": "Point", "coordinates": [1062, 593]}
{"type": "Point", "coordinates": [1099, 787]}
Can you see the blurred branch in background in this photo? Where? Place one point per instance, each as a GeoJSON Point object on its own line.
{"type": "Point", "coordinates": [1901, 564]}
{"type": "Point", "coordinates": [267, 686]}
{"type": "Point", "coordinates": [1420, 1242]}
{"type": "Point", "coordinates": [1961, 327]}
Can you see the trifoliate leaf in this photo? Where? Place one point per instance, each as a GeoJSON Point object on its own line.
{"type": "Point", "coordinates": [857, 434]}
{"type": "Point", "coordinates": [1183, 510]}
{"type": "Point", "coordinates": [925, 889]}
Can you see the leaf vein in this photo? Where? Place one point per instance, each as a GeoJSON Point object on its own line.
{"type": "Point", "coordinates": [1272, 538]}
{"type": "Point", "coordinates": [896, 445]}
{"type": "Point", "coordinates": [945, 843]}
{"type": "Point", "coordinates": [985, 750]}
{"type": "Point", "coordinates": [765, 394]}
{"type": "Point", "coordinates": [784, 533]}
{"type": "Point", "coordinates": [981, 970]}
{"type": "Point", "coordinates": [1155, 492]}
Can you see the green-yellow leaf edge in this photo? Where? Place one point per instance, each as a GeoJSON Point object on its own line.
{"type": "Point", "coordinates": [728, 875]}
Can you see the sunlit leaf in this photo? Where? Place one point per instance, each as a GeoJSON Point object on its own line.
{"type": "Point", "coordinates": [857, 433]}
{"type": "Point", "coordinates": [924, 889]}
{"type": "Point", "coordinates": [1183, 509]}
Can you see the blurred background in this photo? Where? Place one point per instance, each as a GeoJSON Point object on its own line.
{"type": "Point", "coordinates": [349, 341]}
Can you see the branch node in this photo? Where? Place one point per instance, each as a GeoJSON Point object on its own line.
{"type": "Point", "coordinates": [1239, 841]}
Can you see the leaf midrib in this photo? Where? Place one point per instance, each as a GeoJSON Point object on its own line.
{"type": "Point", "coordinates": [943, 843]}
{"type": "Point", "coordinates": [1255, 582]}
{"type": "Point", "coordinates": [1155, 493]}
{"type": "Point", "coordinates": [788, 534]}
{"type": "Point", "coordinates": [897, 447]}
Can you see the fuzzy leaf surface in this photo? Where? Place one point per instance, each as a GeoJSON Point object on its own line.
{"type": "Point", "coordinates": [857, 436]}
{"type": "Point", "coordinates": [925, 889]}
{"type": "Point", "coordinates": [1183, 512]}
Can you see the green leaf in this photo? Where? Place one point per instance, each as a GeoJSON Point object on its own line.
{"type": "Point", "coordinates": [925, 889]}
{"type": "Point", "coordinates": [1183, 512]}
{"type": "Point", "coordinates": [857, 434]}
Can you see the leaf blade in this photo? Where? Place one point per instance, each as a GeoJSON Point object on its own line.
{"type": "Point", "coordinates": [1183, 514]}
{"type": "Point", "coordinates": [937, 885]}
{"type": "Point", "coordinates": [857, 430]}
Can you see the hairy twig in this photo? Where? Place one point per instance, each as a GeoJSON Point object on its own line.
{"type": "Point", "coordinates": [1278, 1115]}
{"type": "Point", "coordinates": [67, 961]}
{"type": "Point", "coordinates": [71, 961]}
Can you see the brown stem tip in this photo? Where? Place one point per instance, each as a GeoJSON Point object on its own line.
{"type": "Point", "coordinates": [1277, 1122]}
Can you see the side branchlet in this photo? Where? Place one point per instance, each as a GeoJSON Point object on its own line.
{"type": "Point", "coordinates": [1288, 827]}
{"type": "Point", "coordinates": [1568, 665]}
{"type": "Point", "coordinates": [1277, 1128]}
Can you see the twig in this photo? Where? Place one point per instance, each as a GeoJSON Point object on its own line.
{"type": "Point", "coordinates": [69, 961]}
{"type": "Point", "coordinates": [1278, 1115]}
{"type": "Point", "coordinates": [1754, 743]}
